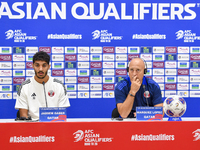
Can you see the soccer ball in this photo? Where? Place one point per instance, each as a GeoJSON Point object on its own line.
{"type": "Point", "coordinates": [174, 106]}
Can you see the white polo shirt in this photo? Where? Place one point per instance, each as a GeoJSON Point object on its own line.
{"type": "Point", "coordinates": [31, 96]}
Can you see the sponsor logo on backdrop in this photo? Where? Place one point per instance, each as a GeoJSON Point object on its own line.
{"type": "Point", "coordinates": [183, 71]}
{"type": "Point", "coordinates": [18, 35]}
{"type": "Point", "coordinates": [83, 94]}
{"type": "Point", "coordinates": [95, 57]}
{"type": "Point", "coordinates": [131, 56]}
{"type": "Point", "coordinates": [57, 72]}
{"type": "Point", "coordinates": [108, 65]}
{"type": "Point", "coordinates": [158, 78]}
{"type": "Point", "coordinates": [57, 57]}
{"type": "Point", "coordinates": [183, 49]}
{"type": "Point", "coordinates": [183, 79]}
{"type": "Point", "coordinates": [45, 49]}
{"type": "Point", "coordinates": [158, 65]}
{"type": "Point", "coordinates": [194, 86]}
{"type": "Point", "coordinates": [171, 49]}
{"type": "Point", "coordinates": [70, 72]}
{"type": "Point", "coordinates": [95, 49]}
{"type": "Point", "coordinates": [170, 79]}
{"type": "Point", "coordinates": [183, 57]}
{"type": "Point", "coordinates": [182, 86]}
{"type": "Point", "coordinates": [108, 49]}
{"type": "Point", "coordinates": [149, 36]}
{"type": "Point", "coordinates": [57, 49]}
{"type": "Point", "coordinates": [83, 65]}
{"type": "Point", "coordinates": [15, 89]}
{"type": "Point", "coordinates": [83, 58]}
{"type": "Point", "coordinates": [158, 57]}
{"type": "Point", "coordinates": [170, 93]}
{"type": "Point", "coordinates": [120, 49]}
{"type": "Point", "coordinates": [5, 73]}
{"type": "Point", "coordinates": [31, 49]}
{"type": "Point", "coordinates": [70, 65]}
{"type": "Point", "coordinates": [5, 88]}
{"type": "Point", "coordinates": [95, 94]}
{"type": "Point", "coordinates": [83, 87]}
{"type": "Point", "coordinates": [83, 50]}
{"type": "Point", "coordinates": [19, 50]}
{"type": "Point", "coordinates": [70, 58]}
{"type": "Point", "coordinates": [64, 36]}
{"type": "Point", "coordinates": [158, 71]}
{"type": "Point", "coordinates": [4, 50]}
{"type": "Point", "coordinates": [195, 57]}
{"type": "Point", "coordinates": [5, 95]}
{"type": "Point", "coordinates": [90, 138]}
{"type": "Point", "coordinates": [30, 72]}
{"type": "Point", "coordinates": [108, 86]}
{"type": "Point", "coordinates": [121, 57]}
{"type": "Point", "coordinates": [194, 49]}
{"type": "Point", "coordinates": [149, 64]}
{"type": "Point", "coordinates": [109, 72]}
{"type": "Point", "coordinates": [95, 86]}
{"type": "Point", "coordinates": [196, 135]}
{"type": "Point", "coordinates": [194, 71]}
{"type": "Point", "coordinates": [162, 86]}
{"type": "Point", "coordinates": [5, 57]}
{"type": "Point", "coordinates": [83, 72]}
{"type": "Point", "coordinates": [71, 87]}
{"type": "Point", "coordinates": [146, 49]}
{"type": "Point", "coordinates": [108, 94]}
{"type": "Point", "coordinates": [95, 79]}
{"type": "Point", "coordinates": [18, 80]}
{"type": "Point", "coordinates": [194, 79]}
{"type": "Point", "coordinates": [18, 57]}
{"type": "Point", "coordinates": [108, 79]}
{"type": "Point", "coordinates": [170, 71]}
{"type": "Point", "coordinates": [18, 65]}
{"type": "Point", "coordinates": [5, 80]}
{"type": "Point", "coordinates": [171, 57]}
{"type": "Point", "coordinates": [194, 64]}
{"type": "Point", "coordinates": [71, 94]}
{"type": "Point", "coordinates": [95, 64]}
{"type": "Point", "coordinates": [70, 50]}
{"type": "Point", "coordinates": [183, 93]}
{"type": "Point", "coordinates": [187, 35]}
{"type": "Point", "coordinates": [170, 86]}
{"type": "Point", "coordinates": [18, 72]}
{"type": "Point", "coordinates": [146, 56]}
{"type": "Point", "coordinates": [183, 64]}
{"type": "Point", "coordinates": [83, 79]}
{"type": "Point", "coordinates": [121, 72]}
{"type": "Point", "coordinates": [70, 79]}
{"type": "Point", "coordinates": [57, 65]}
{"type": "Point", "coordinates": [105, 36]}
{"type": "Point", "coordinates": [29, 65]}
{"type": "Point", "coordinates": [5, 65]}
{"type": "Point", "coordinates": [171, 64]}
{"type": "Point", "coordinates": [118, 79]}
{"type": "Point", "coordinates": [133, 49]}
{"type": "Point", "coordinates": [96, 72]}
{"type": "Point", "coordinates": [158, 49]}
{"type": "Point", "coordinates": [194, 93]}
{"type": "Point", "coordinates": [109, 57]}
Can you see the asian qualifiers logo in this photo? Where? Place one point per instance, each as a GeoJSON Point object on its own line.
{"type": "Point", "coordinates": [90, 138]}
{"type": "Point", "coordinates": [187, 35]}
{"type": "Point", "coordinates": [104, 36]}
{"type": "Point", "coordinates": [196, 135]}
{"type": "Point", "coordinates": [19, 36]}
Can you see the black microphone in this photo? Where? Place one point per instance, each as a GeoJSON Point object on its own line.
{"type": "Point", "coordinates": [146, 93]}
{"type": "Point", "coordinates": [45, 93]}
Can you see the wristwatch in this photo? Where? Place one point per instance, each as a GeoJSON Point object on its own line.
{"type": "Point", "coordinates": [131, 94]}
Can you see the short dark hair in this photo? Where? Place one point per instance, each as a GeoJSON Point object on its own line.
{"type": "Point", "coordinates": [43, 56]}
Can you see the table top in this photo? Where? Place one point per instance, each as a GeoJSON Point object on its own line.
{"type": "Point", "coordinates": [104, 119]}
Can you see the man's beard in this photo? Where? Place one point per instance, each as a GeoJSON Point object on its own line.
{"type": "Point", "coordinates": [40, 77]}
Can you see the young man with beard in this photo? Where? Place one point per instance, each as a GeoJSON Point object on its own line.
{"type": "Point", "coordinates": [41, 90]}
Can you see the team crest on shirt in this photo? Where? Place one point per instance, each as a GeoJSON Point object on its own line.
{"type": "Point", "coordinates": [146, 94]}
{"type": "Point", "coordinates": [33, 96]}
{"type": "Point", "coordinates": [51, 93]}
